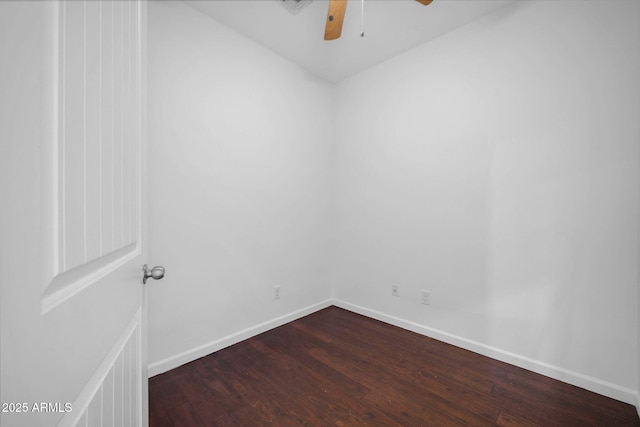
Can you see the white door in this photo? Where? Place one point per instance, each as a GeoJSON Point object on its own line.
{"type": "Point", "coordinates": [72, 209]}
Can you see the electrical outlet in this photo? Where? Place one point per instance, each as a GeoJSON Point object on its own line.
{"type": "Point", "coordinates": [426, 297]}
{"type": "Point", "coordinates": [395, 290]}
{"type": "Point", "coordinates": [276, 292]}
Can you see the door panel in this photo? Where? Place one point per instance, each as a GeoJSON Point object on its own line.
{"type": "Point", "coordinates": [113, 395]}
{"type": "Point", "coordinates": [94, 141]}
{"type": "Point", "coordinates": [72, 242]}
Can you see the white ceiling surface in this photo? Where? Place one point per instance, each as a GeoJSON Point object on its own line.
{"type": "Point", "coordinates": [391, 27]}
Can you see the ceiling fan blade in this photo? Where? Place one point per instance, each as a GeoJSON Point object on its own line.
{"type": "Point", "coordinates": [425, 2]}
{"type": "Point", "coordinates": [335, 16]}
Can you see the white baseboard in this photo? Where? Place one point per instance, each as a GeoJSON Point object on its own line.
{"type": "Point", "coordinates": [203, 350]}
{"type": "Point", "coordinates": [575, 378]}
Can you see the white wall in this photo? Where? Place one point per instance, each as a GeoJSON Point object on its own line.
{"type": "Point", "coordinates": [239, 199]}
{"type": "Point", "coordinates": [497, 167]}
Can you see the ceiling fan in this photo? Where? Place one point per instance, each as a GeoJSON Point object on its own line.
{"type": "Point", "coordinates": [335, 17]}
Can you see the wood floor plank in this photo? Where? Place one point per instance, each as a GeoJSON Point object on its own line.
{"type": "Point", "coordinates": [296, 345]}
{"type": "Point", "coordinates": [311, 390]}
{"type": "Point", "coordinates": [159, 418]}
{"type": "Point", "coordinates": [278, 383]}
{"type": "Point", "coordinates": [400, 371]}
{"type": "Point", "coordinates": [506, 419]}
{"type": "Point", "coordinates": [231, 386]}
{"type": "Point", "coordinates": [337, 368]}
{"type": "Point", "coordinates": [165, 395]}
{"type": "Point", "coordinates": [185, 415]}
{"type": "Point", "coordinates": [320, 385]}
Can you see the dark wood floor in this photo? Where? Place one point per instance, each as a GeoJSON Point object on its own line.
{"type": "Point", "coordinates": [338, 368]}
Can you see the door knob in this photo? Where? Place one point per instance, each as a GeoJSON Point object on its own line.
{"type": "Point", "coordinates": [156, 273]}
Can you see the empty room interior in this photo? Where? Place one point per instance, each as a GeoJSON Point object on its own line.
{"type": "Point", "coordinates": [463, 175]}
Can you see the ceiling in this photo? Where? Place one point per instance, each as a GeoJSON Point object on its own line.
{"type": "Point", "coordinates": [391, 27]}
